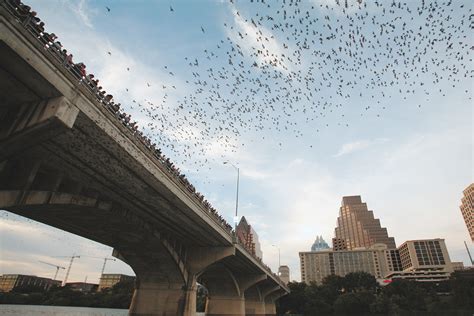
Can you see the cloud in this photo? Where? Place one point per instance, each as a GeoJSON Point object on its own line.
{"type": "Point", "coordinates": [352, 147]}
{"type": "Point", "coordinates": [258, 38]}
{"type": "Point", "coordinates": [83, 12]}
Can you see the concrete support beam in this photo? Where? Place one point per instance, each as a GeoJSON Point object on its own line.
{"type": "Point", "coordinates": [31, 124]}
{"type": "Point", "coordinates": [247, 281]}
{"type": "Point", "coordinates": [199, 258]}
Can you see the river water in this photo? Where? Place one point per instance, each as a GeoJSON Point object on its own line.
{"type": "Point", "coordinates": [34, 310]}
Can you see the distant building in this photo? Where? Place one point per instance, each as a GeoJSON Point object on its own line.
{"type": "Point", "coordinates": [357, 226]}
{"type": "Point", "coordinates": [284, 273]}
{"type": "Point", "coordinates": [457, 265]}
{"type": "Point", "coordinates": [339, 244]}
{"type": "Point", "coordinates": [378, 261]}
{"type": "Point", "coordinates": [467, 209]}
{"type": "Point", "coordinates": [319, 244]}
{"type": "Point", "coordinates": [10, 282]}
{"type": "Point", "coordinates": [249, 238]}
{"type": "Point", "coordinates": [82, 286]}
{"type": "Point", "coordinates": [109, 280]}
{"type": "Point", "coordinates": [425, 260]}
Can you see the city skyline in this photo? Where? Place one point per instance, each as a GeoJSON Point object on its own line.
{"type": "Point", "coordinates": [411, 164]}
{"type": "Point", "coordinates": [357, 226]}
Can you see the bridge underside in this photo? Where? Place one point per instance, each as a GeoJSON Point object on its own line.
{"type": "Point", "coordinates": [67, 162]}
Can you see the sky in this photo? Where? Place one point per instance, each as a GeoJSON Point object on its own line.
{"type": "Point", "coordinates": [399, 134]}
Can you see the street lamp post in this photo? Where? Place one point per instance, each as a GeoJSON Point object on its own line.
{"type": "Point", "coordinates": [236, 196]}
{"type": "Point", "coordinates": [279, 263]}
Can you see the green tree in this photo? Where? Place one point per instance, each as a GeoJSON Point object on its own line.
{"type": "Point", "coordinates": [463, 292]}
{"type": "Point", "coordinates": [359, 281]}
{"type": "Point", "coordinates": [354, 303]}
{"type": "Point", "coordinates": [293, 303]}
{"type": "Point", "coordinates": [406, 295]}
{"type": "Point", "coordinates": [316, 302]}
{"type": "Point", "coordinates": [334, 282]}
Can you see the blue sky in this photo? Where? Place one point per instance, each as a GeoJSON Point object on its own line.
{"type": "Point", "coordinates": [409, 155]}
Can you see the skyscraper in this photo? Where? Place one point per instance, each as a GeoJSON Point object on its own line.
{"type": "Point", "coordinates": [467, 209]}
{"type": "Point", "coordinates": [357, 226]}
{"type": "Point", "coordinates": [319, 244]}
{"type": "Point", "coordinates": [248, 237]}
{"type": "Point", "coordinates": [284, 273]}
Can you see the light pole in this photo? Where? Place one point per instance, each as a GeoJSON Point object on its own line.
{"type": "Point", "coordinates": [237, 194]}
{"type": "Point", "coordinates": [279, 263]}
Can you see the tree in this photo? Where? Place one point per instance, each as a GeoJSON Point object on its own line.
{"type": "Point", "coordinates": [294, 302]}
{"type": "Point", "coordinates": [359, 281]}
{"type": "Point", "coordinates": [316, 301]}
{"type": "Point", "coordinates": [354, 303]}
{"type": "Point", "coordinates": [406, 295]}
{"type": "Point", "coordinates": [334, 282]}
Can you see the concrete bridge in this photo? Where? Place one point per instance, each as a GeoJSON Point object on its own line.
{"type": "Point", "coordinates": [67, 161]}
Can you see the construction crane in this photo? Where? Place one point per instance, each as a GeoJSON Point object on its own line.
{"type": "Point", "coordinates": [74, 256]}
{"type": "Point", "coordinates": [103, 266]}
{"type": "Point", "coordinates": [57, 268]}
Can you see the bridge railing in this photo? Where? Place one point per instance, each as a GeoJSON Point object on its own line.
{"type": "Point", "coordinates": [33, 25]}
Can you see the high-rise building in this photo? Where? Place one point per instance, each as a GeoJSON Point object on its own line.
{"type": "Point", "coordinates": [357, 226]}
{"type": "Point", "coordinates": [377, 260]}
{"type": "Point", "coordinates": [425, 260]}
{"type": "Point", "coordinates": [284, 273]}
{"type": "Point", "coordinates": [467, 209]}
{"type": "Point", "coordinates": [457, 265]}
{"type": "Point", "coordinates": [339, 244]}
{"type": "Point", "coordinates": [424, 254]}
{"type": "Point", "coordinates": [248, 237]}
{"type": "Point", "coordinates": [319, 244]}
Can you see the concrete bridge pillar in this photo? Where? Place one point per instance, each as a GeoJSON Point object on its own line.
{"type": "Point", "coordinates": [160, 287]}
{"type": "Point", "coordinates": [271, 301]}
{"type": "Point", "coordinates": [153, 297]}
{"type": "Point", "coordinates": [254, 302]}
{"type": "Point", "coordinates": [270, 295]}
{"type": "Point", "coordinates": [226, 290]}
{"type": "Point", "coordinates": [225, 297]}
